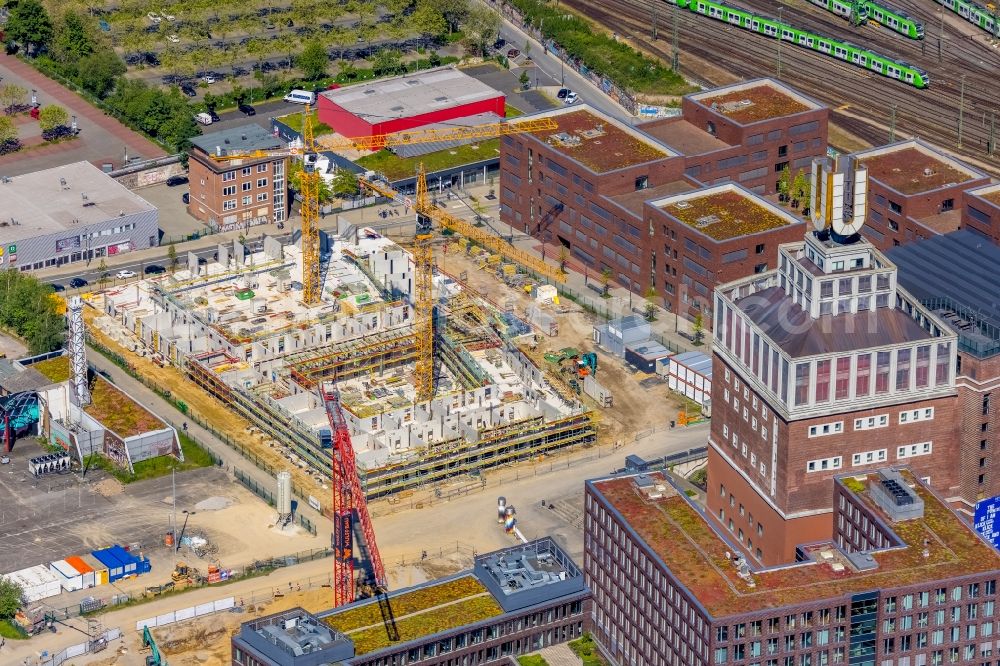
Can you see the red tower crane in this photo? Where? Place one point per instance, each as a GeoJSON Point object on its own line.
{"type": "Point", "coordinates": [348, 501]}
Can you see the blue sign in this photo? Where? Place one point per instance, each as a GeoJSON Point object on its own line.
{"type": "Point", "coordinates": [987, 520]}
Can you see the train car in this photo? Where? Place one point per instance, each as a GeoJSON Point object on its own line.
{"type": "Point", "coordinates": [896, 20]}
{"type": "Point", "coordinates": [974, 13]}
{"type": "Point", "coordinates": [841, 50]}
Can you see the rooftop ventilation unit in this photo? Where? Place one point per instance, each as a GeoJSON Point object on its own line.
{"type": "Point", "coordinates": [682, 204]}
{"type": "Point", "coordinates": [705, 221]}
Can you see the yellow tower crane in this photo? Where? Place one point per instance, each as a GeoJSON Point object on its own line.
{"type": "Point", "coordinates": [312, 291]}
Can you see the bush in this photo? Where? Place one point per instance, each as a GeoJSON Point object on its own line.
{"type": "Point", "coordinates": [10, 146]}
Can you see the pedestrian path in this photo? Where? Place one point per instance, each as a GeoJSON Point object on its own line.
{"type": "Point", "coordinates": [560, 655]}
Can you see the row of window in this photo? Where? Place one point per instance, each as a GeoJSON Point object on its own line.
{"type": "Point", "coordinates": [231, 175]}
{"type": "Point", "coordinates": [230, 204]}
{"type": "Point", "coordinates": [881, 421]}
{"type": "Point", "coordinates": [869, 457]}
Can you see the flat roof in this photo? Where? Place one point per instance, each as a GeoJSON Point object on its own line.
{"type": "Point", "coordinates": [62, 198]}
{"type": "Point", "coordinates": [695, 552]}
{"type": "Point", "coordinates": [754, 101]}
{"type": "Point", "coordinates": [244, 137]}
{"type": "Point", "coordinates": [411, 94]}
{"type": "Point", "coordinates": [684, 136]}
{"type": "Point", "coordinates": [633, 201]}
{"type": "Point", "coordinates": [724, 212]}
{"type": "Point", "coordinates": [420, 611]}
{"type": "Point", "coordinates": [990, 192]}
{"type": "Point", "coordinates": [798, 334]}
{"type": "Point", "coordinates": [597, 141]}
{"type": "Point", "coordinates": [114, 410]}
{"type": "Point", "coordinates": [926, 269]}
{"type": "Point", "coordinates": [912, 167]}
{"type": "Point", "coordinates": [943, 223]}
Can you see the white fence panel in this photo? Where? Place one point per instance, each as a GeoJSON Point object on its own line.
{"type": "Point", "coordinates": [225, 604]}
{"type": "Point", "coordinates": [151, 623]}
{"type": "Point", "coordinates": [184, 614]}
{"type": "Point", "coordinates": [165, 618]}
{"type": "Point", "coordinates": [76, 650]}
{"type": "Point", "coordinates": [204, 609]}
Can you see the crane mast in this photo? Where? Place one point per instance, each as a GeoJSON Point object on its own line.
{"type": "Point", "coordinates": [348, 501]}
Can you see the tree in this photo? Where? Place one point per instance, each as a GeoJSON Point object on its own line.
{"type": "Point", "coordinates": [428, 21]}
{"type": "Point", "coordinates": [387, 61]}
{"type": "Point", "coordinates": [8, 130]}
{"type": "Point", "coordinates": [11, 95]}
{"type": "Point", "coordinates": [481, 28]}
{"type": "Point", "coordinates": [563, 258]}
{"type": "Point", "coordinates": [313, 60]}
{"type": "Point", "coordinates": [605, 282]}
{"type": "Point", "coordinates": [800, 188]}
{"type": "Point", "coordinates": [651, 303]}
{"type": "Point", "coordinates": [524, 79]}
{"type": "Point", "coordinates": [11, 598]}
{"type": "Point", "coordinates": [345, 183]}
{"type": "Point", "coordinates": [698, 328]}
{"type": "Point", "coordinates": [172, 257]}
{"type": "Point", "coordinates": [73, 41]}
{"type": "Point", "coordinates": [784, 183]}
{"type": "Point", "coordinates": [453, 11]}
{"type": "Point", "coordinates": [29, 24]}
{"type": "Point", "coordinates": [52, 116]}
{"type": "Point", "coordinates": [348, 72]}
{"type": "Point", "coordinates": [103, 274]}
{"type": "Point", "coordinates": [99, 71]}
{"type": "Point", "coordinates": [26, 307]}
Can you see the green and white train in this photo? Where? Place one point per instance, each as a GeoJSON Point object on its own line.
{"type": "Point", "coordinates": [859, 11]}
{"type": "Point", "coordinates": [976, 14]}
{"type": "Point", "coordinates": [841, 50]}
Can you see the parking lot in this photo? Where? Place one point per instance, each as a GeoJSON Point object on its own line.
{"type": "Point", "coordinates": [175, 222]}
{"type": "Point", "coordinates": [506, 81]}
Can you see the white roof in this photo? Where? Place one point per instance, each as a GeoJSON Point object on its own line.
{"type": "Point", "coordinates": [33, 576]}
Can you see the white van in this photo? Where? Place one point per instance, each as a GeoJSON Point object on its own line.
{"type": "Point", "coordinates": [203, 118]}
{"type": "Point", "coordinates": [301, 97]}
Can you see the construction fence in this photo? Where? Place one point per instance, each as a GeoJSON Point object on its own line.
{"type": "Point", "coordinates": [73, 651]}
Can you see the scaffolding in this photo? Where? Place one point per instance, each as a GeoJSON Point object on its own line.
{"type": "Point", "coordinates": [373, 353]}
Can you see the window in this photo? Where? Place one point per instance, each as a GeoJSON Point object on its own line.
{"type": "Point", "coordinates": [869, 457]}
{"type": "Point", "coordinates": [229, 205]}
{"type": "Point", "coordinates": [262, 168]}
{"type": "Point", "coordinates": [824, 464]}
{"type": "Point", "coordinates": [262, 182]}
{"type": "Point", "coordinates": [229, 175]}
{"type": "Point", "coordinates": [913, 450]}
{"type": "Point", "coordinates": [760, 248]}
{"type": "Point", "coordinates": [247, 171]}
{"type": "Point", "coordinates": [229, 190]}
{"type": "Point", "coordinates": [832, 428]}
{"type": "Point", "coordinates": [801, 383]}
{"type": "Point", "coordinates": [880, 421]}
{"type": "Point", "coordinates": [823, 380]}
{"type": "Point", "coordinates": [247, 186]}
{"type": "Point", "coordinates": [882, 360]}
{"type": "Point", "coordinates": [262, 196]}
{"type": "Point", "coordinates": [895, 207]}
{"type": "Point", "coordinates": [903, 369]}
{"type": "Point", "coordinates": [247, 200]}
{"type": "Point", "coordinates": [914, 415]}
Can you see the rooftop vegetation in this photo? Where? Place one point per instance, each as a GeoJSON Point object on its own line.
{"type": "Point", "coordinates": [597, 143]}
{"type": "Point", "coordinates": [911, 171]}
{"type": "Point", "coordinates": [765, 102]}
{"type": "Point", "coordinates": [736, 215]}
{"type": "Point", "coordinates": [119, 413]}
{"type": "Point", "coordinates": [55, 368]}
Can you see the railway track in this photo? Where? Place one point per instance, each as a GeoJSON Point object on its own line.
{"type": "Point", "coordinates": [931, 114]}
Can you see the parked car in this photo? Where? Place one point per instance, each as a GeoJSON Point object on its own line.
{"type": "Point", "coordinates": [571, 98]}
{"type": "Point", "coordinates": [153, 17]}
{"type": "Point", "coordinates": [176, 180]}
{"type": "Point", "coordinates": [513, 53]}
{"type": "Point", "coordinates": [247, 110]}
{"type": "Point", "coordinates": [301, 97]}
{"type": "Point", "coordinates": [186, 198]}
{"type": "Point", "coordinates": [125, 274]}
{"type": "Point", "coordinates": [78, 282]}
{"type": "Point", "coordinates": [203, 118]}
{"type": "Point", "coordinates": [499, 44]}
{"type": "Point", "coordinates": [154, 269]}
{"type": "Point", "coordinates": [208, 78]}
{"type": "Point", "coordinates": [563, 92]}
{"type": "Point", "coordinates": [188, 90]}
{"type": "Point", "coordinates": [4, 460]}
{"type": "Point", "coordinates": [173, 39]}
{"type": "Point", "coordinates": [213, 115]}
{"type": "Point", "coordinates": [58, 287]}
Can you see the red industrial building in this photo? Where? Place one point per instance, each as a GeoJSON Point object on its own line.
{"type": "Point", "coordinates": [407, 102]}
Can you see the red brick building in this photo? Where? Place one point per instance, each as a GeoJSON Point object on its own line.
{"type": "Point", "coordinates": [981, 211]}
{"type": "Point", "coordinates": [956, 276]}
{"type": "Point", "coordinates": [915, 191]}
{"type": "Point", "coordinates": [226, 193]}
{"type": "Point", "coordinates": [445, 94]}
{"type": "Point", "coordinates": [671, 588]}
{"type": "Point", "coordinates": [819, 371]}
{"type": "Point", "coordinates": [586, 186]}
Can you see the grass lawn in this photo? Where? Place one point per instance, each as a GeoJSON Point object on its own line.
{"type": "Point", "coordinates": [10, 630]}
{"type": "Point", "coordinates": [394, 167]}
{"type": "Point", "coordinates": [294, 120]}
{"type": "Point", "coordinates": [194, 457]}
{"type": "Point", "coordinates": [532, 660]}
{"type": "Point", "coordinates": [586, 649]}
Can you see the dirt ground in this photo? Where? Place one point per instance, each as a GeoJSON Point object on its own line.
{"type": "Point", "coordinates": [628, 414]}
{"type": "Point", "coordinates": [207, 408]}
{"type": "Point", "coordinates": [205, 642]}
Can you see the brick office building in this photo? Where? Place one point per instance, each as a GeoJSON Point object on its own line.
{"type": "Point", "coordinates": [956, 276]}
{"type": "Point", "coordinates": [981, 211]}
{"type": "Point", "coordinates": [670, 588]}
{"type": "Point", "coordinates": [821, 366]}
{"type": "Point", "coordinates": [915, 191]}
{"type": "Point", "coordinates": [238, 192]}
{"type": "Point", "coordinates": [515, 601]}
{"type": "Point", "coordinates": [585, 185]}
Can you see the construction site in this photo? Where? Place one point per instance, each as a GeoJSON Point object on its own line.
{"type": "Point", "coordinates": [241, 330]}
